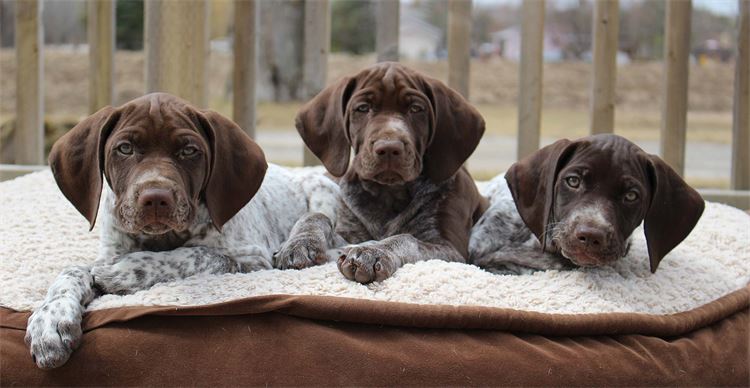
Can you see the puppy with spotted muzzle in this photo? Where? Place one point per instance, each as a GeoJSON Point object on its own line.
{"type": "Point", "coordinates": [405, 196]}
{"type": "Point", "coordinates": [581, 201]}
{"type": "Point", "coordinates": [187, 192]}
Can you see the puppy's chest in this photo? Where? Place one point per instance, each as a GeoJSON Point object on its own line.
{"type": "Point", "coordinates": [166, 242]}
{"type": "Point", "coordinates": [200, 232]}
{"type": "Point", "coordinates": [387, 212]}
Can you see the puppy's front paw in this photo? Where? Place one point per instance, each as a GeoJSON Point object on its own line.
{"type": "Point", "coordinates": [120, 278]}
{"type": "Point", "coordinates": [301, 252]}
{"type": "Point", "coordinates": [366, 264]}
{"type": "Point", "coordinates": [54, 331]}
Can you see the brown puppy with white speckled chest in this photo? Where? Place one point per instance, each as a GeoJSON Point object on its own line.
{"type": "Point", "coordinates": [580, 201]}
{"type": "Point", "coordinates": [405, 195]}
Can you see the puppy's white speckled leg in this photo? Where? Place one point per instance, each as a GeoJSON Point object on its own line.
{"type": "Point", "coordinates": [54, 329]}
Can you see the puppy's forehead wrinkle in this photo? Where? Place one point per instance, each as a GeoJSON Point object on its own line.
{"type": "Point", "coordinates": [155, 112]}
{"type": "Point", "coordinates": [617, 147]}
{"type": "Point", "coordinates": [131, 117]}
{"type": "Point", "coordinates": [608, 162]}
{"type": "Point", "coordinates": [389, 79]}
{"type": "Point", "coordinates": [389, 76]}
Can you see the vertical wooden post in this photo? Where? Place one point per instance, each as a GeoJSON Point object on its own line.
{"type": "Point", "coordinates": [245, 64]}
{"type": "Point", "coordinates": [530, 85]}
{"type": "Point", "coordinates": [177, 49]}
{"type": "Point", "coordinates": [387, 26]}
{"type": "Point", "coordinates": [605, 28]}
{"type": "Point", "coordinates": [101, 34]}
{"type": "Point", "coordinates": [676, 67]}
{"type": "Point", "coordinates": [459, 45]}
{"type": "Point", "coordinates": [317, 45]}
{"type": "Point", "coordinates": [741, 125]}
{"type": "Point", "coordinates": [29, 79]}
{"type": "Point", "coordinates": [151, 42]}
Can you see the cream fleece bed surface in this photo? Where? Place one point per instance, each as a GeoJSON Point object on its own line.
{"type": "Point", "coordinates": [41, 233]}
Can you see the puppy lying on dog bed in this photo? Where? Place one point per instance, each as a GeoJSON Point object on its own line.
{"type": "Point", "coordinates": [180, 181]}
{"type": "Point", "coordinates": [580, 201]}
{"type": "Point", "coordinates": [406, 196]}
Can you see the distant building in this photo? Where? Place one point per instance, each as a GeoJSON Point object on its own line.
{"type": "Point", "coordinates": [418, 40]}
{"type": "Point", "coordinates": [508, 43]}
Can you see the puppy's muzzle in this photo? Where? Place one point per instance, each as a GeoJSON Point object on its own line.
{"type": "Point", "coordinates": [590, 245]}
{"type": "Point", "coordinates": [388, 149]}
{"type": "Point", "coordinates": [156, 205]}
{"type": "Point", "coordinates": [590, 237]}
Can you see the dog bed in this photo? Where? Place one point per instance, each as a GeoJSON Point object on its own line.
{"type": "Point", "coordinates": [431, 323]}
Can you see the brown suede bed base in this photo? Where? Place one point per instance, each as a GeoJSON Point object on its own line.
{"type": "Point", "coordinates": [314, 340]}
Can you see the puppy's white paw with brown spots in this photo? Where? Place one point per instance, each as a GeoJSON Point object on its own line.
{"type": "Point", "coordinates": [54, 331]}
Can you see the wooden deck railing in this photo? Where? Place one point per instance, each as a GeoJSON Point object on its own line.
{"type": "Point", "coordinates": [177, 48]}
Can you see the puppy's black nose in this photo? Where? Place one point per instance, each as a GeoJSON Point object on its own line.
{"type": "Point", "coordinates": [387, 148]}
{"type": "Point", "coordinates": [590, 236]}
{"type": "Point", "coordinates": [157, 201]}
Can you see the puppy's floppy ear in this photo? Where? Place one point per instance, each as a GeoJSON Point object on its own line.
{"type": "Point", "coordinates": [674, 210]}
{"type": "Point", "coordinates": [457, 128]}
{"type": "Point", "coordinates": [532, 183]}
{"type": "Point", "coordinates": [237, 167]}
{"type": "Point", "coordinates": [323, 127]}
{"type": "Point", "coordinates": [77, 161]}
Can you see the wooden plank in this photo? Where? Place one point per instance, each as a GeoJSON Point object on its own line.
{"type": "Point", "coordinates": [459, 45]}
{"type": "Point", "coordinates": [741, 127]}
{"type": "Point", "coordinates": [387, 30]}
{"type": "Point", "coordinates": [177, 49]}
{"type": "Point", "coordinates": [530, 83]}
{"type": "Point", "coordinates": [245, 64]}
{"type": "Point", "coordinates": [101, 36]}
{"type": "Point", "coordinates": [317, 46]}
{"type": "Point", "coordinates": [606, 28]}
{"type": "Point", "coordinates": [151, 42]}
{"type": "Point", "coordinates": [676, 68]}
{"type": "Point", "coordinates": [29, 136]}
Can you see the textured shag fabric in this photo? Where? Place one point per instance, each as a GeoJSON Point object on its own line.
{"type": "Point", "coordinates": [42, 234]}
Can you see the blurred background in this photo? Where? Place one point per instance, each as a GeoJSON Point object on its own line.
{"type": "Point", "coordinates": [494, 74]}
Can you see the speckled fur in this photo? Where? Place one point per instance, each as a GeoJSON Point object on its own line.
{"type": "Point", "coordinates": [290, 205]}
{"type": "Point", "coordinates": [392, 226]}
{"type": "Point", "coordinates": [501, 242]}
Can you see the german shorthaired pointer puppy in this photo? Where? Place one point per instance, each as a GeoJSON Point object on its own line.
{"type": "Point", "coordinates": [176, 203]}
{"type": "Point", "coordinates": [405, 196]}
{"type": "Point", "coordinates": [580, 201]}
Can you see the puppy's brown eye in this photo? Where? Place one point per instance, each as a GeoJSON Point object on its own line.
{"type": "Point", "coordinates": [631, 196]}
{"type": "Point", "coordinates": [364, 108]}
{"type": "Point", "coordinates": [573, 181]}
{"type": "Point", "coordinates": [125, 149]}
{"type": "Point", "coordinates": [189, 151]}
{"type": "Point", "coordinates": [416, 108]}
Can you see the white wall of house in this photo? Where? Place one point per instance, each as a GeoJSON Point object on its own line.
{"type": "Point", "coordinates": [417, 38]}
